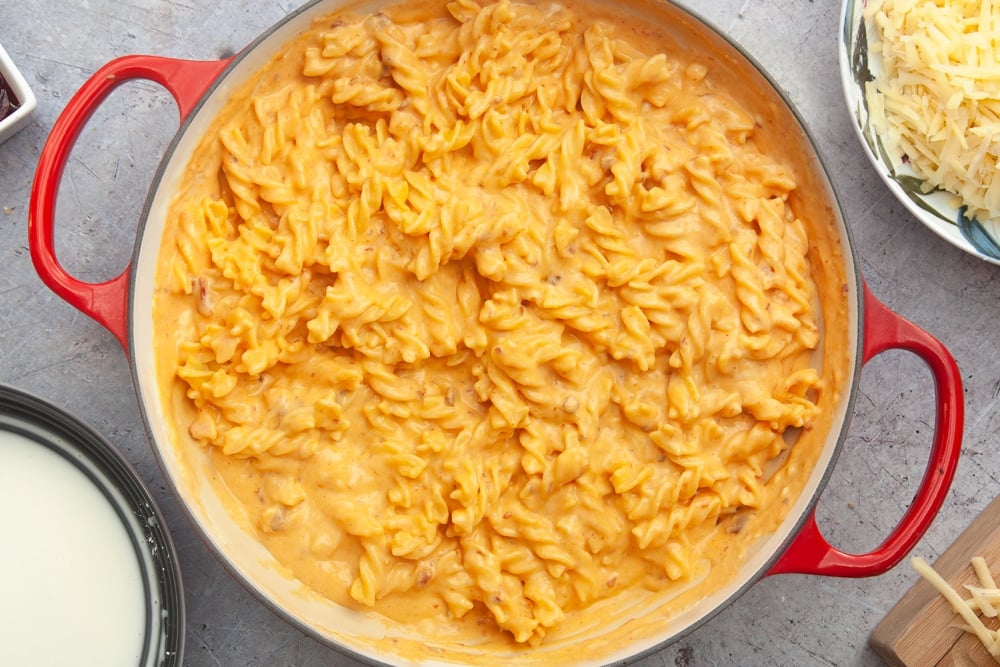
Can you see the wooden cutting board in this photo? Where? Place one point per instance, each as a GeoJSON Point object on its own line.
{"type": "Point", "coordinates": [918, 631]}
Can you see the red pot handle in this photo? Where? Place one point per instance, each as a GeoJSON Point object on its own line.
{"type": "Point", "coordinates": [106, 302]}
{"type": "Point", "coordinates": [809, 552]}
{"type": "Point", "coordinates": [187, 81]}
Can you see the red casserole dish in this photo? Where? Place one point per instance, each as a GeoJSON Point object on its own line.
{"type": "Point", "coordinates": [122, 305]}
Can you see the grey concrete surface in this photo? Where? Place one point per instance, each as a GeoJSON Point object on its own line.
{"type": "Point", "coordinates": [48, 348]}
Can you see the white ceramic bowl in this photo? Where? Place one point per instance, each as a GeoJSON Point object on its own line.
{"type": "Point", "coordinates": [91, 599]}
{"type": "Point", "coordinates": [26, 101]}
{"type": "Point", "coordinates": [940, 211]}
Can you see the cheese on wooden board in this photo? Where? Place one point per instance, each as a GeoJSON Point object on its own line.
{"type": "Point", "coordinates": [922, 630]}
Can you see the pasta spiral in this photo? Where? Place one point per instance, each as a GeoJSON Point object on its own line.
{"type": "Point", "coordinates": [491, 307]}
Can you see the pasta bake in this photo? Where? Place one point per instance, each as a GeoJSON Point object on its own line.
{"type": "Point", "coordinates": [489, 313]}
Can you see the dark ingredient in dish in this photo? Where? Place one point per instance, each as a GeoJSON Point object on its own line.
{"type": "Point", "coordinates": [8, 102]}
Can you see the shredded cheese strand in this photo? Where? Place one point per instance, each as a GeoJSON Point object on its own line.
{"type": "Point", "coordinates": [989, 638]}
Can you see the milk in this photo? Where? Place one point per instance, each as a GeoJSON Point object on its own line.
{"type": "Point", "coordinates": [71, 586]}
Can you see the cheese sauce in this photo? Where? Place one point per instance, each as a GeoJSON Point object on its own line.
{"type": "Point", "coordinates": [505, 381]}
{"type": "Point", "coordinates": [71, 589]}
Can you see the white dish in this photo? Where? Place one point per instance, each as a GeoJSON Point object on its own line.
{"type": "Point", "coordinates": [22, 92]}
{"type": "Point", "coordinates": [940, 211]}
{"type": "Point", "coordinates": [88, 557]}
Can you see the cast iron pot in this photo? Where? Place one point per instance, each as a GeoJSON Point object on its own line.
{"type": "Point", "coordinates": [124, 306]}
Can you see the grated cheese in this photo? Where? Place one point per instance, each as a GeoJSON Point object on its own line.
{"type": "Point", "coordinates": [936, 100]}
{"type": "Point", "coordinates": [984, 600]}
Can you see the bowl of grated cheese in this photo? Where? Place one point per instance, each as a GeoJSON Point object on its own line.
{"type": "Point", "coordinates": [922, 83]}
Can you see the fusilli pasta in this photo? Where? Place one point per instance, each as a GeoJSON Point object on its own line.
{"type": "Point", "coordinates": [491, 307]}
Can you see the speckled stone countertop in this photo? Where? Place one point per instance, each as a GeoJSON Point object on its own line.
{"type": "Point", "coordinates": [49, 349]}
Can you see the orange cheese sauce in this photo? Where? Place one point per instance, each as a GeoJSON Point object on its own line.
{"type": "Point", "coordinates": [493, 319]}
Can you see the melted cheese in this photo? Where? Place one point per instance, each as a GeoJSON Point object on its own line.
{"type": "Point", "coordinates": [492, 316]}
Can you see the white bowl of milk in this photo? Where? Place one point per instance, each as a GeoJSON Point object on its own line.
{"type": "Point", "coordinates": [87, 570]}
